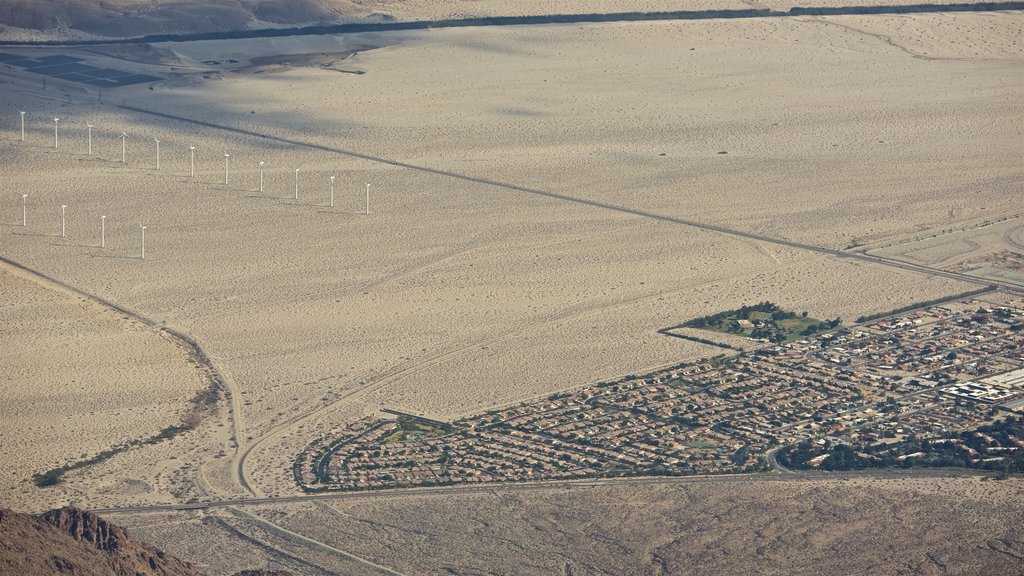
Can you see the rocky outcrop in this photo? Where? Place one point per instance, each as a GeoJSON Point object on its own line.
{"type": "Point", "coordinates": [87, 527]}
{"type": "Point", "coordinates": [79, 543]}
{"type": "Point", "coordinates": [72, 541]}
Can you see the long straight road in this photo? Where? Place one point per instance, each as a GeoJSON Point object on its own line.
{"type": "Point", "coordinates": [542, 20]}
{"type": "Point", "coordinates": [783, 475]}
{"type": "Point", "coordinates": [708, 227]}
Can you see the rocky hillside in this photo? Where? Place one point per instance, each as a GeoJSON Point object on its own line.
{"type": "Point", "coordinates": [72, 541]}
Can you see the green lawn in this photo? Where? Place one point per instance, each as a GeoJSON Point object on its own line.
{"type": "Point", "coordinates": [410, 430]}
{"type": "Point", "coordinates": [698, 444]}
{"type": "Point", "coordinates": [769, 322]}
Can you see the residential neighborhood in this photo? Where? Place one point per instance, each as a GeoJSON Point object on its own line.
{"type": "Point", "coordinates": [927, 373]}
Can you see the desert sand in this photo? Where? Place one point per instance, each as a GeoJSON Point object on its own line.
{"type": "Point", "coordinates": [79, 378]}
{"type": "Point", "coordinates": [455, 295]}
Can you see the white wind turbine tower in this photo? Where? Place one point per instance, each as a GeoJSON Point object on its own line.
{"type": "Point", "coordinates": [367, 198]}
{"type": "Point", "coordinates": [332, 191]}
{"type": "Point", "coordinates": [296, 184]}
{"type": "Point", "coordinates": [226, 157]}
{"type": "Point", "coordinates": [143, 241]}
{"type": "Point", "coordinates": [261, 175]}
{"type": "Point", "coordinates": [103, 231]}
{"type": "Point", "coordinates": [63, 207]}
{"type": "Point", "coordinates": [24, 210]}
{"type": "Point", "coordinates": [191, 161]}
{"type": "Point", "coordinates": [124, 137]}
{"type": "Point", "coordinates": [22, 124]}
{"type": "Point", "coordinates": [89, 127]}
{"type": "Point", "coordinates": [55, 120]}
{"type": "Point", "coordinates": [157, 140]}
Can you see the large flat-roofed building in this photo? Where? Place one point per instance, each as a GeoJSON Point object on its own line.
{"type": "Point", "coordinates": [1014, 379]}
{"type": "Point", "coordinates": [980, 392]}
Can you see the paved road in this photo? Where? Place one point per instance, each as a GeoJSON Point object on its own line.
{"type": "Point", "coordinates": [787, 476]}
{"type": "Point", "coordinates": [541, 19]}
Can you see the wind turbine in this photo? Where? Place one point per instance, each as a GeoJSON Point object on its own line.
{"type": "Point", "coordinates": [261, 175]}
{"type": "Point", "coordinates": [226, 156]}
{"type": "Point", "coordinates": [103, 231]}
{"type": "Point", "coordinates": [296, 184]}
{"type": "Point", "coordinates": [63, 207]}
{"type": "Point", "coordinates": [124, 137]}
{"type": "Point", "coordinates": [24, 210]}
{"type": "Point", "coordinates": [332, 191]}
{"type": "Point", "coordinates": [143, 241]}
{"type": "Point", "coordinates": [157, 140]}
{"type": "Point", "coordinates": [192, 161]}
{"type": "Point", "coordinates": [22, 125]}
{"type": "Point", "coordinates": [89, 126]}
{"type": "Point", "coordinates": [55, 120]}
{"type": "Point", "coordinates": [367, 198]}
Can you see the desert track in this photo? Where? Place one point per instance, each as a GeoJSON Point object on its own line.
{"type": "Point", "coordinates": [195, 352]}
{"type": "Point", "coordinates": [1015, 237]}
{"type": "Point", "coordinates": [309, 542]}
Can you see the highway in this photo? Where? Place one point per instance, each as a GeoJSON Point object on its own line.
{"type": "Point", "coordinates": [538, 20]}
{"type": "Point", "coordinates": [781, 474]}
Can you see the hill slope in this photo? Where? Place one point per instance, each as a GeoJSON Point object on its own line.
{"type": "Point", "coordinates": [71, 541]}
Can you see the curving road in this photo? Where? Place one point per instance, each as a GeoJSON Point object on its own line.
{"type": "Point", "coordinates": [209, 371]}
{"type": "Point", "coordinates": [1015, 237]}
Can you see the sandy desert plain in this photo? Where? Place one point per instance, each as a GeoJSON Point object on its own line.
{"type": "Point", "coordinates": [524, 237]}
